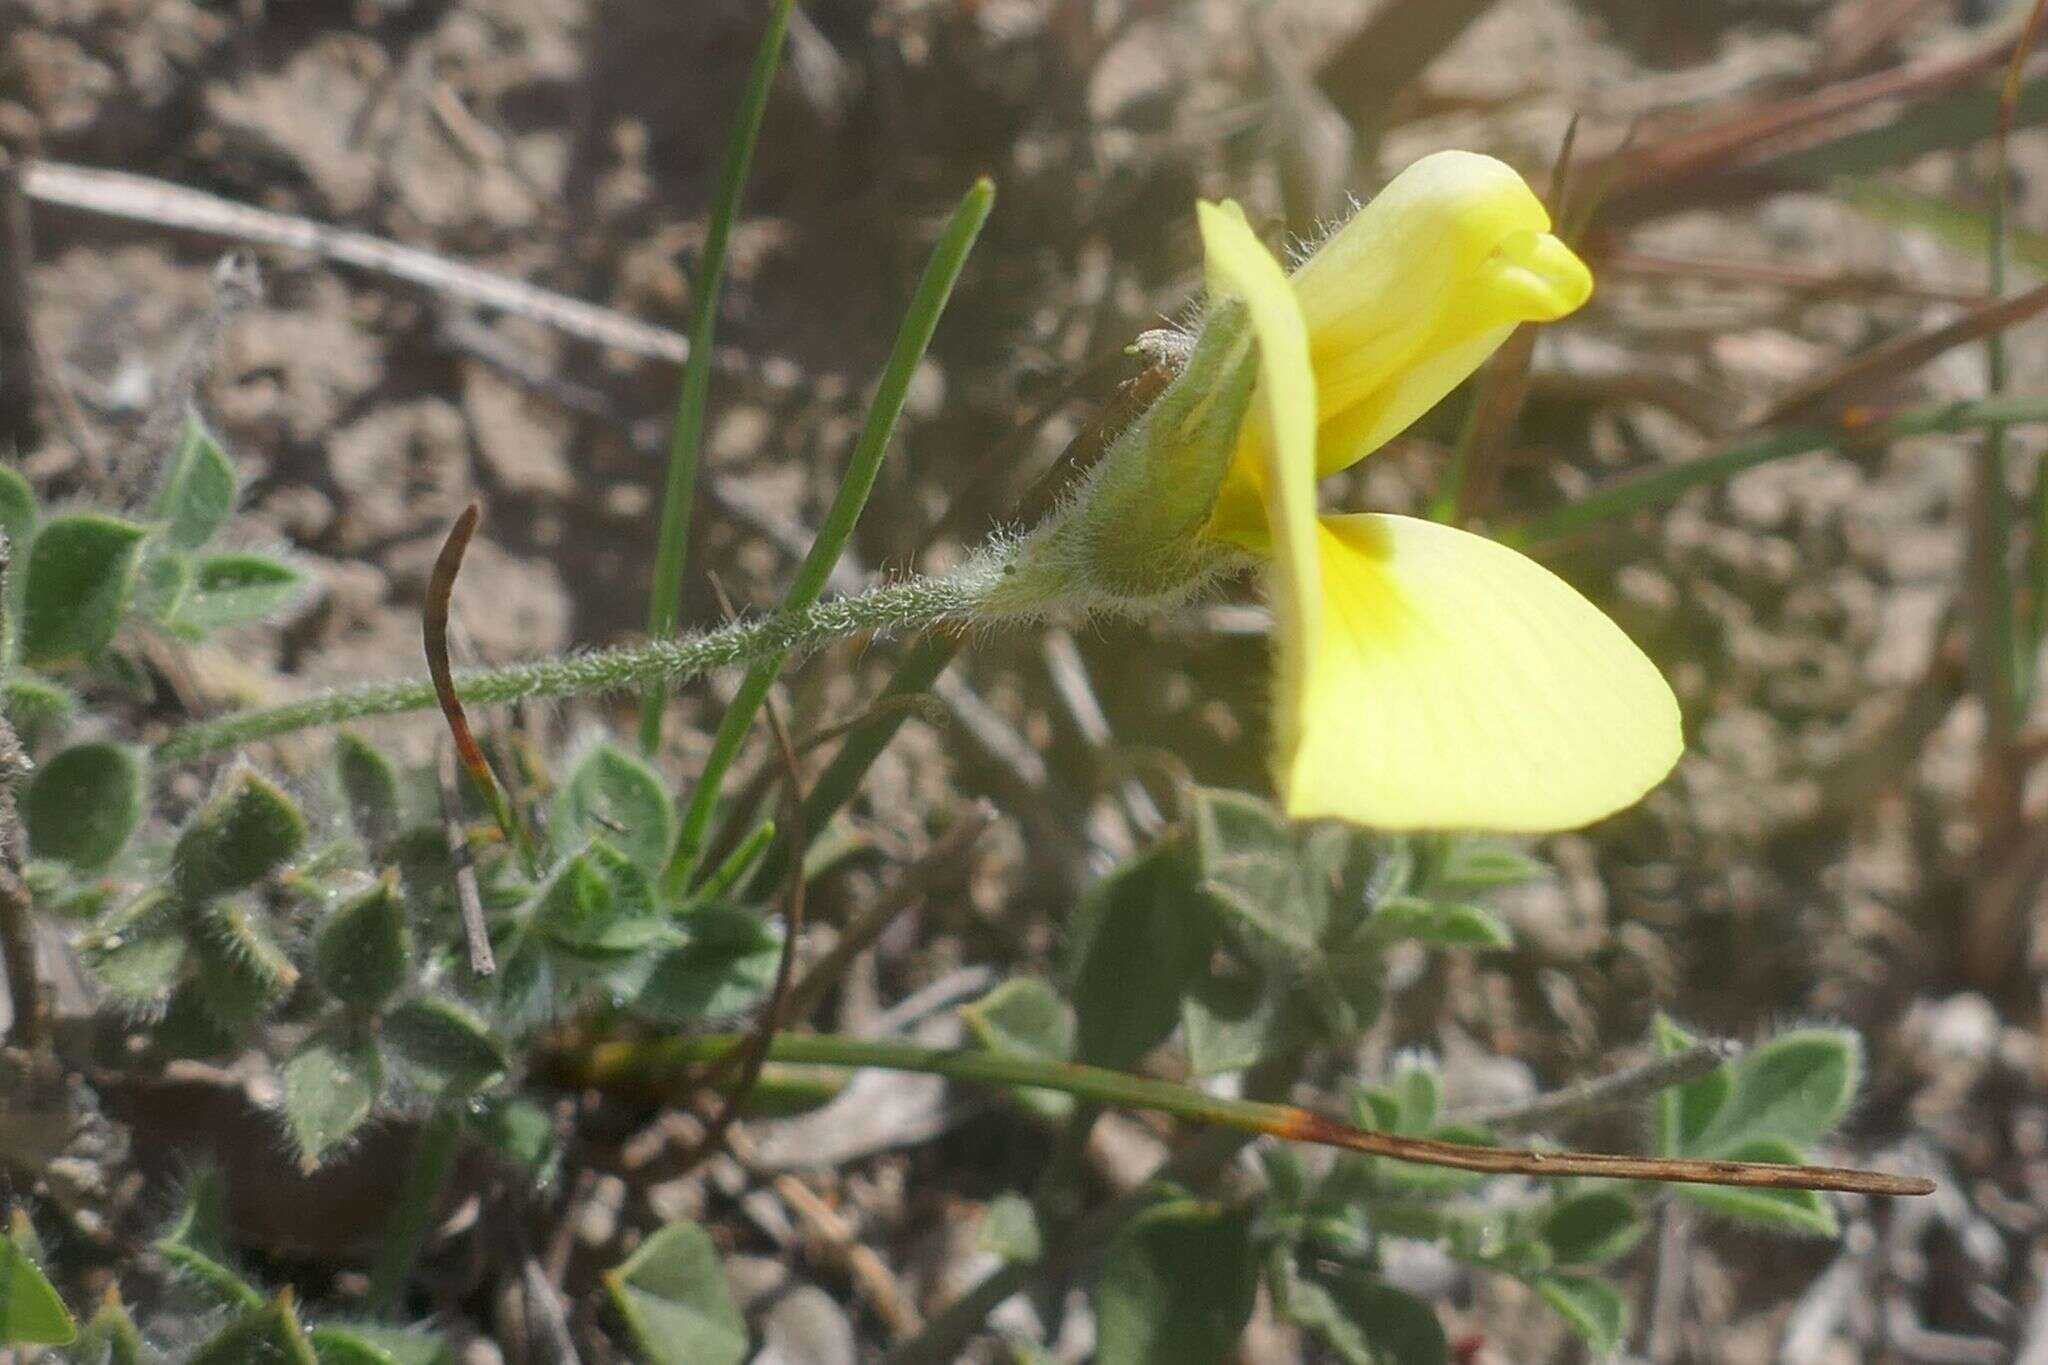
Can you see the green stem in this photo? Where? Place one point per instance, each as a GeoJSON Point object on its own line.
{"type": "Point", "coordinates": [949, 257]}
{"type": "Point", "coordinates": [917, 604]}
{"type": "Point", "coordinates": [651, 1063]}
{"type": "Point", "coordinates": [412, 1217]}
{"type": "Point", "coordinates": [1621, 497]}
{"type": "Point", "coordinates": [665, 601]}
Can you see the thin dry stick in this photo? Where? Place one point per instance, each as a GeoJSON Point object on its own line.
{"type": "Point", "coordinates": [467, 896]}
{"type": "Point", "coordinates": [1623, 1087]}
{"type": "Point", "coordinates": [142, 199]}
{"type": "Point", "coordinates": [1303, 1126]}
{"type": "Point", "coordinates": [884, 1293]}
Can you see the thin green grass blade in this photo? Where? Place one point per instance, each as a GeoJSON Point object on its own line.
{"type": "Point", "coordinates": [914, 338]}
{"type": "Point", "coordinates": [666, 599]}
{"type": "Point", "coordinates": [1635, 493]}
{"type": "Point", "coordinates": [1957, 226]}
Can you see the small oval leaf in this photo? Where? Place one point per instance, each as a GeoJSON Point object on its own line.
{"type": "Point", "coordinates": [81, 574]}
{"type": "Point", "coordinates": [83, 804]}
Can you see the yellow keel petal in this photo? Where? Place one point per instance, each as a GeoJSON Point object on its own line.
{"type": "Point", "coordinates": [1456, 684]}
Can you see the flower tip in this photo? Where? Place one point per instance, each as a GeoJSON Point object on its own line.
{"type": "Point", "coordinates": [1543, 275]}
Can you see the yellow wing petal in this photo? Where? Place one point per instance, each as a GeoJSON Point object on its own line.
{"type": "Point", "coordinates": [1280, 441]}
{"type": "Point", "coordinates": [1457, 684]}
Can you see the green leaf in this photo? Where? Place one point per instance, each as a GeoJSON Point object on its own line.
{"type": "Point", "coordinates": [1806, 1211]}
{"type": "Point", "coordinates": [1441, 924]}
{"type": "Point", "coordinates": [1177, 1287]}
{"type": "Point", "coordinates": [243, 972]}
{"type": "Point", "coordinates": [442, 1046]}
{"type": "Point", "coordinates": [236, 589]}
{"type": "Point", "coordinates": [368, 1343]}
{"type": "Point", "coordinates": [199, 488]}
{"type": "Point", "coordinates": [166, 580]}
{"type": "Point", "coordinates": [1796, 1087]}
{"type": "Point", "coordinates": [17, 514]}
{"type": "Point", "coordinates": [1399, 1328]}
{"type": "Point", "coordinates": [673, 1295]}
{"type": "Point", "coordinates": [30, 1311]}
{"type": "Point", "coordinates": [1421, 1096]}
{"type": "Point", "coordinates": [37, 707]}
{"type": "Point", "coordinates": [598, 906]}
{"type": "Point", "coordinates": [369, 784]}
{"type": "Point", "coordinates": [1145, 911]}
{"type": "Point", "coordinates": [1686, 1112]}
{"type": "Point", "coordinates": [1309, 1305]}
{"type": "Point", "coordinates": [521, 1131]}
{"type": "Point", "coordinates": [1241, 1015]}
{"type": "Point", "coordinates": [83, 804]}
{"type": "Point", "coordinates": [111, 1337]}
{"type": "Point", "coordinates": [616, 796]}
{"type": "Point", "coordinates": [141, 955]}
{"type": "Point", "coordinates": [1251, 866]}
{"type": "Point", "coordinates": [726, 965]}
{"type": "Point", "coordinates": [189, 1028]}
{"type": "Point", "coordinates": [330, 1087]}
{"type": "Point", "coordinates": [1009, 1228]}
{"type": "Point", "coordinates": [196, 1245]}
{"type": "Point", "coordinates": [270, 1335]}
{"type": "Point", "coordinates": [1472, 865]}
{"type": "Point", "coordinates": [361, 953]}
{"type": "Point", "coordinates": [249, 829]}
{"type": "Point", "coordinates": [1416, 1178]}
{"type": "Point", "coordinates": [1026, 1016]}
{"type": "Point", "coordinates": [81, 574]}
{"type": "Point", "coordinates": [1593, 1228]}
{"type": "Point", "coordinates": [1592, 1308]}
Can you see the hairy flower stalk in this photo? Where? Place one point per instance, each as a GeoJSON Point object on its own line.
{"type": "Point", "coordinates": [916, 604]}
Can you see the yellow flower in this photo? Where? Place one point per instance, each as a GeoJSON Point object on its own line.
{"type": "Point", "coordinates": [1426, 678]}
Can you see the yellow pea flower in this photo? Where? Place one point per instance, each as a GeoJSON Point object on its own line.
{"type": "Point", "coordinates": [1426, 678]}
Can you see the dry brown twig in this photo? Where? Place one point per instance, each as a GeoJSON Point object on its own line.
{"type": "Point", "coordinates": [434, 634]}
{"type": "Point", "coordinates": [143, 199]}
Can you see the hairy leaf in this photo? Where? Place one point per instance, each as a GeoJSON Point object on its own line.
{"type": "Point", "coordinates": [81, 575]}
{"type": "Point", "coordinates": [1176, 1288]}
{"type": "Point", "coordinates": [83, 804]}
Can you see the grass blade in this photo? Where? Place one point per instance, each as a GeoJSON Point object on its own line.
{"type": "Point", "coordinates": [1634, 493]}
{"type": "Point", "coordinates": [665, 601]}
{"type": "Point", "coordinates": [912, 340]}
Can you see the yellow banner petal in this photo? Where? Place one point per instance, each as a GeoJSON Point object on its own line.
{"type": "Point", "coordinates": [1456, 684]}
{"type": "Point", "coordinates": [1279, 444]}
